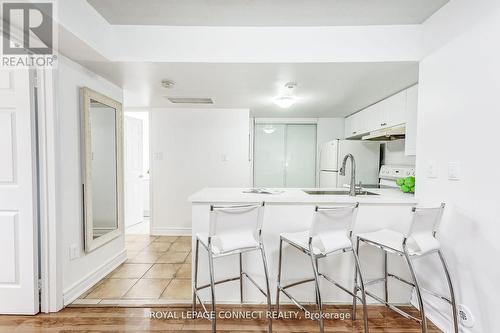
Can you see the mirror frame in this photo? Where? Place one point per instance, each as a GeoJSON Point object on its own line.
{"type": "Point", "coordinates": [90, 244]}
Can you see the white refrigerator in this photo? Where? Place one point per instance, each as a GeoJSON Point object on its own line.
{"type": "Point", "coordinates": [366, 155]}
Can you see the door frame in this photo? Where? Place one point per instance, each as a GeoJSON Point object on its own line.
{"type": "Point", "coordinates": [51, 293]}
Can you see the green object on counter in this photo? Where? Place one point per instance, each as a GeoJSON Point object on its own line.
{"type": "Point", "coordinates": [412, 190]}
{"type": "Point", "coordinates": [405, 188]}
{"type": "Point", "coordinates": [400, 181]}
{"type": "Point", "coordinates": [410, 181]}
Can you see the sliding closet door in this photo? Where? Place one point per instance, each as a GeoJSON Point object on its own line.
{"type": "Point", "coordinates": [300, 164]}
{"type": "Point", "coordinates": [269, 155]}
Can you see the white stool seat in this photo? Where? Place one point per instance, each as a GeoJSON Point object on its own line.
{"type": "Point", "coordinates": [325, 243]}
{"type": "Point", "coordinates": [230, 241]}
{"type": "Point", "coordinates": [418, 244]}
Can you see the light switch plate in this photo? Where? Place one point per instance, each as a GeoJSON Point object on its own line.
{"type": "Point", "coordinates": [454, 170]}
{"type": "Point", "coordinates": [432, 171]}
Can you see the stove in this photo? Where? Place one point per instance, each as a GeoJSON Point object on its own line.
{"type": "Point", "coordinates": [390, 173]}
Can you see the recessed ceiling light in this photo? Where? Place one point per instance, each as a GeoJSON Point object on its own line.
{"type": "Point", "coordinates": [167, 83]}
{"type": "Point", "coordinates": [287, 100]}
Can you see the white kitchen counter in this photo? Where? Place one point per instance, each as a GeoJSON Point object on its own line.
{"type": "Point", "coordinates": [292, 195]}
{"type": "Point", "coordinates": [292, 211]}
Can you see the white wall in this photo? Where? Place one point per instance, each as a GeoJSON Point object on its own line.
{"type": "Point", "coordinates": [193, 149]}
{"type": "Point", "coordinates": [458, 121]}
{"type": "Point", "coordinates": [394, 153]}
{"type": "Point", "coordinates": [77, 273]}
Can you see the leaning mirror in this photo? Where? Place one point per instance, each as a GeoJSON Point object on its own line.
{"type": "Point", "coordinates": [102, 168]}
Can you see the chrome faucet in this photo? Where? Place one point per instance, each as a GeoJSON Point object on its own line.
{"type": "Point", "coordinates": [352, 186]}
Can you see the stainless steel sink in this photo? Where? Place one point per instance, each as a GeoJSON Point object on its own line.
{"type": "Point", "coordinates": [336, 192]}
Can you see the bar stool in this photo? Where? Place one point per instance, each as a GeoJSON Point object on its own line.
{"type": "Point", "coordinates": [330, 233]}
{"type": "Point", "coordinates": [233, 229]}
{"type": "Point", "coordinates": [419, 240]}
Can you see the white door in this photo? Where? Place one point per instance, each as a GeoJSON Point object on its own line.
{"type": "Point", "coordinates": [134, 201]}
{"type": "Point", "coordinates": [328, 156]}
{"type": "Point", "coordinates": [18, 241]}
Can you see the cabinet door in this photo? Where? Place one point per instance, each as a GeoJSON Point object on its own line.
{"type": "Point", "coordinates": [411, 121]}
{"type": "Point", "coordinates": [348, 130]}
{"type": "Point", "coordinates": [300, 156]}
{"type": "Point", "coordinates": [269, 155]}
{"type": "Point", "coordinates": [395, 108]}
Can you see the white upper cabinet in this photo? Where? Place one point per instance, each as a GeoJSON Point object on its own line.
{"type": "Point", "coordinates": [389, 112]}
{"type": "Point", "coordinates": [411, 121]}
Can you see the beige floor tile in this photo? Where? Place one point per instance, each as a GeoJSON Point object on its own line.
{"type": "Point", "coordinates": [184, 271]}
{"type": "Point", "coordinates": [147, 288]}
{"type": "Point", "coordinates": [184, 239]}
{"type": "Point", "coordinates": [166, 239]}
{"type": "Point", "coordinates": [130, 271]}
{"type": "Point", "coordinates": [171, 257]}
{"type": "Point", "coordinates": [140, 238]}
{"type": "Point", "coordinates": [178, 289]}
{"type": "Point", "coordinates": [112, 288]}
{"type": "Point", "coordinates": [162, 271]}
{"type": "Point", "coordinates": [181, 246]}
{"type": "Point", "coordinates": [189, 257]}
{"type": "Point", "coordinates": [132, 254]}
{"type": "Point", "coordinates": [145, 257]}
{"type": "Point", "coordinates": [159, 246]}
{"type": "Point", "coordinates": [135, 246]}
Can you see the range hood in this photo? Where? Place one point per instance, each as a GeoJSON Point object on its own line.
{"type": "Point", "coordinates": [387, 134]}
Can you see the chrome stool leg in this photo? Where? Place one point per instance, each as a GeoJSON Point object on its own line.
{"type": "Point", "coordinates": [356, 288]}
{"type": "Point", "coordinates": [362, 289]}
{"type": "Point", "coordinates": [195, 283]}
{"type": "Point", "coordinates": [280, 256]}
{"type": "Point", "coordinates": [268, 289]}
{"type": "Point", "coordinates": [212, 289]}
{"type": "Point", "coordinates": [386, 278]}
{"type": "Point", "coordinates": [452, 293]}
{"type": "Point", "coordinates": [318, 294]}
{"type": "Point", "coordinates": [423, 322]}
{"type": "Point", "coordinates": [241, 277]}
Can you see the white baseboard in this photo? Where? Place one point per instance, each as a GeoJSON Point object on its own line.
{"type": "Point", "coordinates": [170, 231]}
{"type": "Point", "coordinates": [84, 284]}
{"type": "Point", "coordinates": [443, 322]}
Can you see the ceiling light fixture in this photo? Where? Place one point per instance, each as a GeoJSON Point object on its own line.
{"type": "Point", "coordinates": [287, 100]}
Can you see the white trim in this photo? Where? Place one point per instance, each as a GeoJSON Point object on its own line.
{"type": "Point", "coordinates": [171, 231]}
{"type": "Point", "coordinates": [51, 290]}
{"type": "Point", "coordinates": [286, 120]}
{"type": "Point", "coordinates": [81, 286]}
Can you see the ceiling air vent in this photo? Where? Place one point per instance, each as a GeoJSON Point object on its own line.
{"type": "Point", "coordinates": [190, 100]}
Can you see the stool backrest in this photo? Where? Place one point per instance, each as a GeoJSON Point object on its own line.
{"type": "Point", "coordinates": [334, 218]}
{"type": "Point", "coordinates": [236, 218]}
{"type": "Point", "coordinates": [425, 220]}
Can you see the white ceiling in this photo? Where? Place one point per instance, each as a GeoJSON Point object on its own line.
{"type": "Point", "coordinates": [324, 89]}
{"type": "Point", "coordinates": [266, 12]}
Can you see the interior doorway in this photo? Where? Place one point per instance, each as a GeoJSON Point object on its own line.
{"type": "Point", "coordinates": [137, 180]}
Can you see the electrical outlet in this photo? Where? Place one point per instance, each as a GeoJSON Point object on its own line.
{"type": "Point", "coordinates": [465, 316]}
{"type": "Point", "coordinates": [74, 251]}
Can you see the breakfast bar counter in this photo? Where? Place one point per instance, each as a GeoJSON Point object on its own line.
{"type": "Point", "coordinates": [291, 210]}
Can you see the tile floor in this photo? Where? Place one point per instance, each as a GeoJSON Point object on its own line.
{"type": "Point", "coordinates": [158, 270]}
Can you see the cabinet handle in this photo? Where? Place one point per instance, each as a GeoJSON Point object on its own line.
{"type": "Point", "coordinates": [354, 132]}
{"type": "Point", "coordinates": [383, 124]}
